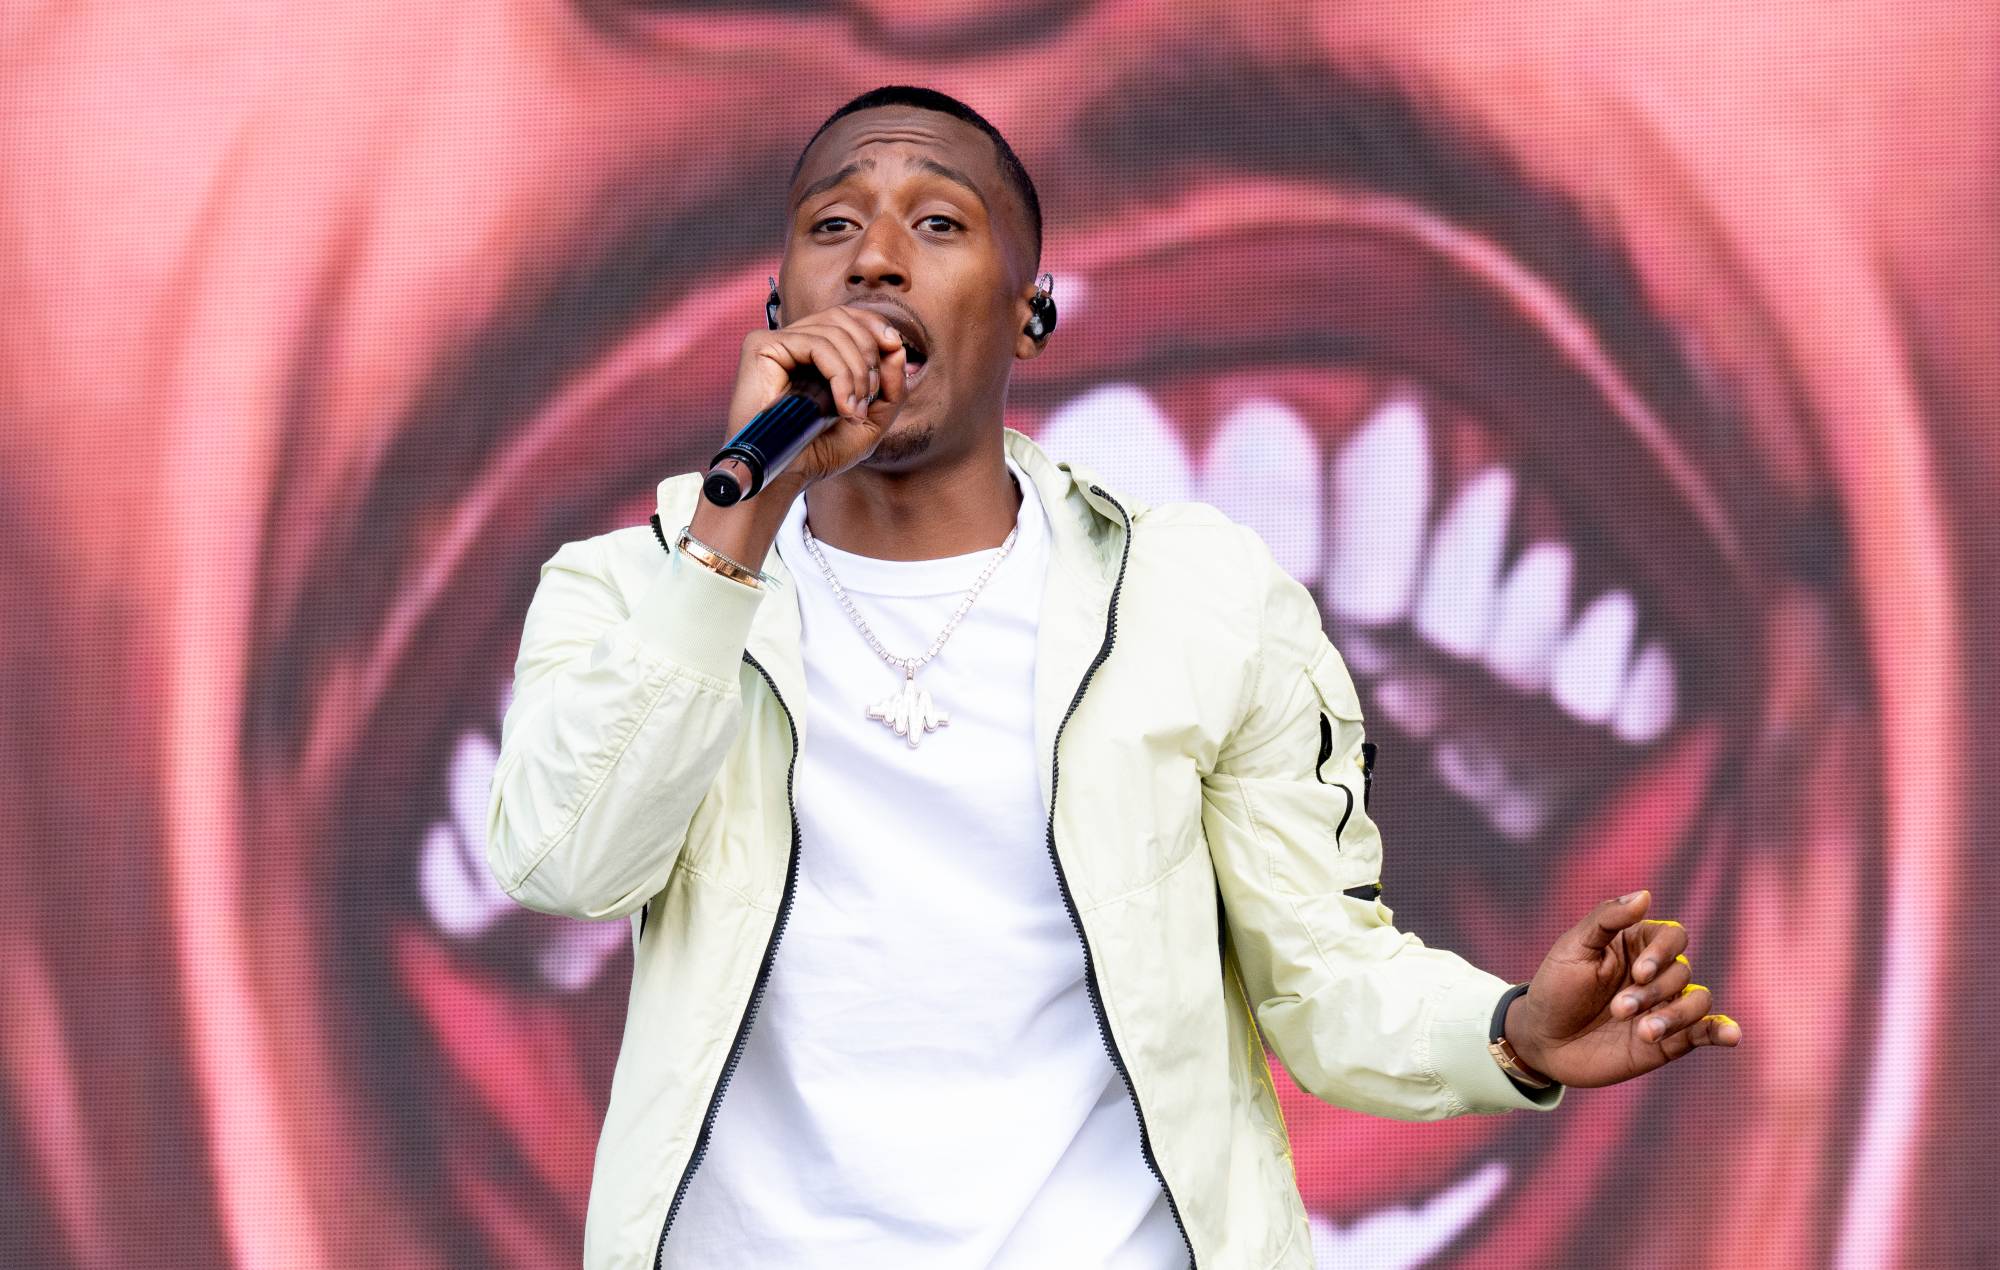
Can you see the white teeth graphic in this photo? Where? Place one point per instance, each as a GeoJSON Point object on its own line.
{"type": "Point", "coordinates": [1401, 1237]}
{"type": "Point", "coordinates": [1262, 471]}
{"type": "Point", "coordinates": [1590, 666]}
{"type": "Point", "coordinates": [1651, 697]}
{"type": "Point", "coordinates": [577, 952]}
{"type": "Point", "coordinates": [1122, 437]}
{"type": "Point", "coordinates": [458, 891]}
{"type": "Point", "coordinates": [470, 785]}
{"type": "Point", "coordinates": [1474, 770]}
{"type": "Point", "coordinates": [1518, 814]}
{"type": "Point", "coordinates": [457, 888]}
{"type": "Point", "coordinates": [1456, 603]}
{"type": "Point", "coordinates": [1363, 653]}
{"type": "Point", "coordinates": [1413, 702]}
{"type": "Point", "coordinates": [1529, 616]}
{"type": "Point", "coordinates": [1381, 512]}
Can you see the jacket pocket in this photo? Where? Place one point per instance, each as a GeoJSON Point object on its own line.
{"type": "Point", "coordinates": [1344, 760]}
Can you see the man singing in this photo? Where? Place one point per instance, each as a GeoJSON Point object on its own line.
{"type": "Point", "coordinates": [979, 825]}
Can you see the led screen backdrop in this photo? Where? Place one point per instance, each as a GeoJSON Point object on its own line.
{"type": "Point", "coordinates": [1620, 376]}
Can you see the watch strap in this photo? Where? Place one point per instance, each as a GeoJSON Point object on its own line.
{"type": "Point", "coordinates": [1502, 1049]}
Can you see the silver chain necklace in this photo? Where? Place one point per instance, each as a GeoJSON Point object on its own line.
{"type": "Point", "coordinates": [909, 711]}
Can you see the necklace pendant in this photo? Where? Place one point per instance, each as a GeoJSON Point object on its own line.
{"type": "Point", "coordinates": [909, 712]}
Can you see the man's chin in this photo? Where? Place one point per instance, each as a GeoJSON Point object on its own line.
{"type": "Point", "coordinates": [903, 446]}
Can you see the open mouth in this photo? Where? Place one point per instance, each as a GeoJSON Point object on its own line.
{"type": "Point", "coordinates": [1536, 652]}
{"type": "Point", "coordinates": [916, 341]}
{"type": "Point", "coordinates": [1509, 661]}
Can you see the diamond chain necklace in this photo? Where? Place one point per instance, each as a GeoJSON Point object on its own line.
{"type": "Point", "coordinates": [909, 711]}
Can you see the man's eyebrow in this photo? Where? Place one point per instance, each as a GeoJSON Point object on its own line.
{"type": "Point", "coordinates": [1376, 132]}
{"type": "Point", "coordinates": [953, 175]}
{"type": "Point", "coordinates": [929, 165]}
{"type": "Point", "coordinates": [827, 182]}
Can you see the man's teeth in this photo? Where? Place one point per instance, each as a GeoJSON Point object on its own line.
{"type": "Point", "coordinates": [1414, 700]}
{"type": "Point", "coordinates": [1651, 697]}
{"type": "Point", "coordinates": [1385, 561]}
{"type": "Point", "coordinates": [1270, 483]}
{"type": "Point", "coordinates": [1117, 432]}
{"type": "Point", "coordinates": [465, 901]}
{"type": "Point", "coordinates": [1519, 813]}
{"type": "Point", "coordinates": [573, 954]}
{"type": "Point", "coordinates": [1529, 616]}
{"type": "Point", "coordinates": [1381, 514]}
{"type": "Point", "coordinates": [1473, 769]}
{"type": "Point", "coordinates": [1380, 561]}
{"type": "Point", "coordinates": [1590, 666]}
{"type": "Point", "coordinates": [457, 887]}
{"type": "Point", "coordinates": [1404, 1236]}
{"type": "Point", "coordinates": [1456, 603]}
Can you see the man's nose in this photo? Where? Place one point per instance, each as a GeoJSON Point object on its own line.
{"type": "Point", "coordinates": [879, 260]}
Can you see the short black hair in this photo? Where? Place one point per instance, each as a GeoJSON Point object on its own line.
{"type": "Point", "coordinates": [930, 99]}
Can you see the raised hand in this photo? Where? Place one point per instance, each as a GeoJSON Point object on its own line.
{"type": "Point", "coordinates": [860, 352]}
{"type": "Point", "coordinates": [1613, 999]}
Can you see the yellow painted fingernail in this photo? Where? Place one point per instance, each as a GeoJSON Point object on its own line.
{"type": "Point", "coordinates": [1691, 987]}
{"type": "Point", "coordinates": [1659, 921]}
{"type": "Point", "coordinates": [1682, 959]}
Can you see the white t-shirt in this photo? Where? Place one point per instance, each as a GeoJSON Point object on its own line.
{"type": "Point", "coordinates": [924, 1085]}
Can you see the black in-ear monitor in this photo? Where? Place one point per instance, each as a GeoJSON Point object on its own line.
{"type": "Point", "coordinates": [1042, 309]}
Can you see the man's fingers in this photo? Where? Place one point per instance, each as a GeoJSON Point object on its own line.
{"type": "Point", "coordinates": [870, 326]}
{"type": "Point", "coordinates": [1710, 1029]}
{"type": "Point", "coordinates": [1663, 1021]}
{"type": "Point", "coordinates": [860, 356]}
{"type": "Point", "coordinates": [893, 365]}
{"type": "Point", "coordinates": [875, 337]}
{"type": "Point", "coordinates": [1601, 925]}
{"type": "Point", "coordinates": [792, 348]}
{"type": "Point", "coordinates": [1663, 987]}
{"type": "Point", "coordinates": [881, 346]}
{"type": "Point", "coordinates": [1654, 944]}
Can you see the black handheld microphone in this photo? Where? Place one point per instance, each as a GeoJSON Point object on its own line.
{"type": "Point", "coordinates": [764, 446]}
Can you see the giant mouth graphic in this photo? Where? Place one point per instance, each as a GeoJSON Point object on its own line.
{"type": "Point", "coordinates": [1551, 667]}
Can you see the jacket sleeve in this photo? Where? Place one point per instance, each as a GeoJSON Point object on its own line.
{"type": "Point", "coordinates": [1361, 1014]}
{"type": "Point", "coordinates": [621, 716]}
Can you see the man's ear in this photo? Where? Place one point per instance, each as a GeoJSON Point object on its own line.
{"type": "Point", "coordinates": [1034, 309]}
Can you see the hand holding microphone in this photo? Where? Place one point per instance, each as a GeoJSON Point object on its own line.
{"type": "Point", "coordinates": [822, 361]}
{"type": "Point", "coordinates": [811, 399]}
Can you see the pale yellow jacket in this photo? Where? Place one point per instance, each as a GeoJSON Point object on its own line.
{"type": "Point", "coordinates": [1202, 755]}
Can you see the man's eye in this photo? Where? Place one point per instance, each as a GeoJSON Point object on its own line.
{"type": "Point", "coordinates": [831, 224]}
{"type": "Point", "coordinates": [939, 224]}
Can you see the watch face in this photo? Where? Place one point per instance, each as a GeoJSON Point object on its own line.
{"type": "Point", "coordinates": [1617, 377]}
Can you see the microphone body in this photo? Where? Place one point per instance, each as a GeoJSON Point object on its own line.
{"type": "Point", "coordinates": [772, 439]}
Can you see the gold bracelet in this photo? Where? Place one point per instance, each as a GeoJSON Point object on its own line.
{"type": "Point", "coordinates": [708, 556]}
{"type": "Point", "coordinates": [1503, 1053]}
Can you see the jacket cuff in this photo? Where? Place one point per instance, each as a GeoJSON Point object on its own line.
{"type": "Point", "coordinates": [695, 618]}
{"type": "Point", "coordinates": [1459, 1035]}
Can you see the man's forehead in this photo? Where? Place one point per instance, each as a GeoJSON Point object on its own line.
{"type": "Point", "coordinates": [870, 134]}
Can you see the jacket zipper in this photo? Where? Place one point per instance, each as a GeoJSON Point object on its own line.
{"type": "Point", "coordinates": [1096, 993]}
{"type": "Point", "coordinates": [756, 990]}
{"type": "Point", "coordinates": [1069, 901]}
